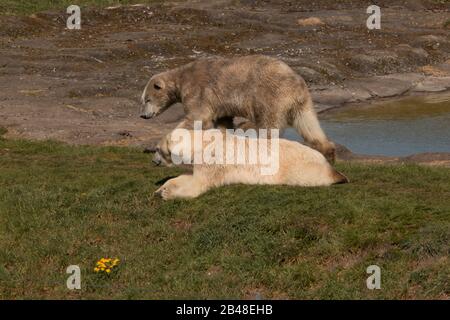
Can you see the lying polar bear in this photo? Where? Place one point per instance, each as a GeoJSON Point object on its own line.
{"type": "Point", "coordinates": [217, 161]}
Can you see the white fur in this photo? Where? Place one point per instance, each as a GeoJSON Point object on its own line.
{"type": "Point", "coordinates": [298, 165]}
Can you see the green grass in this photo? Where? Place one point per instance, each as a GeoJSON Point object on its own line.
{"type": "Point", "coordinates": [447, 24]}
{"type": "Point", "coordinates": [62, 205]}
{"type": "Point", "coordinates": [30, 6]}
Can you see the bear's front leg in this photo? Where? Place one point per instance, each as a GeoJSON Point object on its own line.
{"type": "Point", "coordinates": [198, 113]}
{"type": "Point", "coordinates": [190, 124]}
{"type": "Point", "coordinates": [184, 186]}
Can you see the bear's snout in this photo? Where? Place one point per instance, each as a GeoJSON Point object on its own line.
{"type": "Point", "coordinates": [147, 115]}
{"type": "Point", "coordinates": [158, 192]}
{"type": "Point", "coordinates": [157, 159]}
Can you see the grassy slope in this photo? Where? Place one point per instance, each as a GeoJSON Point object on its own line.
{"type": "Point", "coordinates": [63, 205]}
{"type": "Point", "coordinates": [30, 6]}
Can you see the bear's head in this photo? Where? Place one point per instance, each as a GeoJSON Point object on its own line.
{"type": "Point", "coordinates": [162, 154]}
{"type": "Point", "coordinates": [176, 148]}
{"type": "Point", "coordinates": [159, 94]}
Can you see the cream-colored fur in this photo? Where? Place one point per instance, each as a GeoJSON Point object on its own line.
{"type": "Point", "coordinates": [298, 165]}
{"type": "Point", "coordinates": [263, 90]}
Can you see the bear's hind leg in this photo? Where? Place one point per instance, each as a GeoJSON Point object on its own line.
{"type": "Point", "coordinates": [245, 125]}
{"type": "Point", "coordinates": [306, 123]}
{"type": "Point", "coordinates": [224, 123]}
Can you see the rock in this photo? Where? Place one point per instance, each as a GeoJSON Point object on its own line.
{"type": "Point", "coordinates": [417, 55]}
{"type": "Point", "coordinates": [414, 5]}
{"type": "Point", "coordinates": [265, 41]}
{"type": "Point", "coordinates": [358, 94]}
{"type": "Point", "coordinates": [411, 77]}
{"type": "Point", "coordinates": [428, 40]}
{"type": "Point", "coordinates": [343, 153]}
{"type": "Point", "coordinates": [310, 75]}
{"type": "Point", "coordinates": [429, 155]}
{"type": "Point", "coordinates": [319, 107]}
{"type": "Point", "coordinates": [430, 158]}
{"type": "Point", "coordinates": [433, 84]}
{"type": "Point", "coordinates": [331, 71]}
{"type": "Point", "coordinates": [312, 21]}
{"type": "Point", "coordinates": [432, 42]}
{"type": "Point", "coordinates": [332, 96]}
{"type": "Point", "coordinates": [385, 86]}
{"type": "Point", "coordinates": [434, 71]}
{"type": "Point", "coordinates": [376, 62]}
{"type": "Point", "coordinates": [125, 133]}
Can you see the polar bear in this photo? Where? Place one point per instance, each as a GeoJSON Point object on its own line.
{"type": "Point", "coordinates": [263, 90]}
{"type": "Point", "coordinates": [298, 165]}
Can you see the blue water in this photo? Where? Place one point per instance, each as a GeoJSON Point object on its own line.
{"type": "Point", "coordinates": [398, 128]}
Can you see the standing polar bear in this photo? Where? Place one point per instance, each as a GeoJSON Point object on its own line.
{"type": "Point", "coordinates": [295, 164]}
{"type": "Point", "coordinates": [263, 90]}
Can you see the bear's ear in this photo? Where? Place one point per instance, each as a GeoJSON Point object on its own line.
{"type": "Point", "coordinates": [164, 145]}
{"type": "Point", "coordinates": [159, 84]}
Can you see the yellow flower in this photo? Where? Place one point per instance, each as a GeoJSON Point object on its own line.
{"type": "Point", "coordinates": [106, 265]}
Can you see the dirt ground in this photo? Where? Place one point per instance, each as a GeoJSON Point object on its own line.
{"type": "Point", "coordinates": [83, 86]}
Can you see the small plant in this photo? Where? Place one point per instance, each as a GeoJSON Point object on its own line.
{"type": "Point", "coordinates": [447, 24]}
{"type": "Point", "coordinates": [106, 265]}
